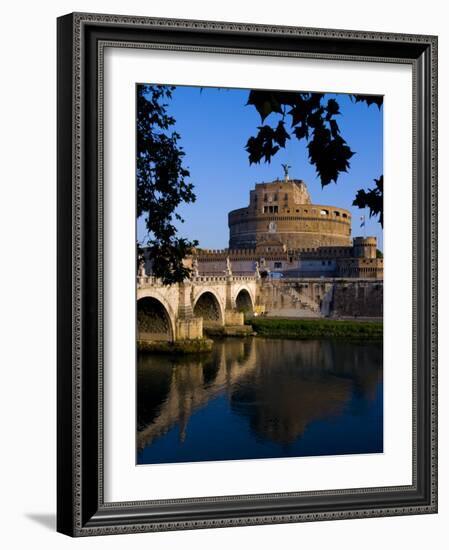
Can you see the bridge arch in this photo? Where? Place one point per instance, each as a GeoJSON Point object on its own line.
{"type": "Point", "coordinates": [244, 300]}
{"type": "Point", "coordinates": [154, 322]}
{"type": "Point", "coordinates": [208, 306]}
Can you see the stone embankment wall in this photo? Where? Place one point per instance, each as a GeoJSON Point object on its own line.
{"type": "Point", "coordinates": [358, 299]}
{"type": "Point", "coordinates": [322, 298]}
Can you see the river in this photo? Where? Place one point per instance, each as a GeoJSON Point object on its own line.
{"type": "Point", "coordinates": [260, 398]}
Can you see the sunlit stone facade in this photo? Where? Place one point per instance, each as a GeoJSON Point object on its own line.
{"type": "Point", "coordinates": [282, 212]}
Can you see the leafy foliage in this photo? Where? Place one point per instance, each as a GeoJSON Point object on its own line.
{"type": "Point", "coordinates": [162, 183]}
{"type": "Point", "coordinates": [372, 199]}
{"type": "Point", "coordinates": [313, 119]}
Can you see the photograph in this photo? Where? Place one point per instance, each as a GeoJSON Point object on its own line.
{"type": "Point", "coordinates": [259, 273]}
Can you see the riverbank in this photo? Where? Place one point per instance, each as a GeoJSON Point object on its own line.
{"type": "Point", "coordinates": [181, 347]}
{"type": "Point", "coordinates": [238, 331]}
{"type": "Point", "coordinates": [302, 329]}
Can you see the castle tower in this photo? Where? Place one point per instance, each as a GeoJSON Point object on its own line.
{"type": "Point", "coordinates": [281, 213]}
{"type": "Point", "coordinates": [365, 247]}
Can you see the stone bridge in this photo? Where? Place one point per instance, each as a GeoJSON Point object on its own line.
{"type": "Point", "coordinates": [180, 311]}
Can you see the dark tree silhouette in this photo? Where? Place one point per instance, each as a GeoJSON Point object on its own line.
{"type": "Point", "coordinates": [373, 199]}
{"type": "Point", "coordinates": [161, 183]}
{"type": "Point", "coordinates": [312, 118]}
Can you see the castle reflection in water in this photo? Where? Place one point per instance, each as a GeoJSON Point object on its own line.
{"type": "Point", "coordinates": [257, 398]}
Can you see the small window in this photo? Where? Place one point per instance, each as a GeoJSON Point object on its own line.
{"type": "Point", "coordinates": [288, 211]}
{"type": "Point", "coordinates": [265, 209]}
{"type": "Point", "coordinates": [286, 196]}
{"type": "Point", "coordinates": [306, 211]}
{"type": "Point", "coordinates": [297, 210]}
{"type": "Point", "coordinates": [324, 212]}
{"type": "Point", "coordinates": [277, 265]}
{"type": "Point", "coordinates": [265, 197]}
{"type": "Point", "coordinates": [336, 213]}
{"type": "Point", "coordinates": [344, 215]}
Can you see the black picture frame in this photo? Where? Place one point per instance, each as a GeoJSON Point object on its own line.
{"type": "Point", "coordinates": [81, 509]}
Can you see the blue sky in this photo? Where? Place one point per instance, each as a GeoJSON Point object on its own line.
{"type": "Point", "coordinates": [215, 125]}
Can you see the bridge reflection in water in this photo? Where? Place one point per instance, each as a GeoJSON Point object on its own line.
{"type": "Point", "coordinates": [256, 398]}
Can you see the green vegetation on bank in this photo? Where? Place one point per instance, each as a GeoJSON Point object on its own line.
{"type": "Point", "coordinates": [302, 329]}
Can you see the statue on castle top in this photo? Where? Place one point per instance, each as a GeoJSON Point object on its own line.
{"type": "Point", "coordinates": [286, 167]}
{"type": "Point", "coordinates": [257, 271]}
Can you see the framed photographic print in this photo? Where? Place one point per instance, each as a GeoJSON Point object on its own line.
{"type": "Point", "coordinates": [246, 274]}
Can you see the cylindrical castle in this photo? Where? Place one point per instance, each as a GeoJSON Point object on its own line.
{"type": "Point", "coordinates": [281, 213]}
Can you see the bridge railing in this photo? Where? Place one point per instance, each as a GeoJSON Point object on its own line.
{"type": "Point", "coordinates": [222, 278]}
{"type": "Point", "coordinates": [326, 280]}
{"type": "Point", "coordinates": [150, 280]}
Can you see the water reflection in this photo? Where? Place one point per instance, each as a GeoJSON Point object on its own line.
{"type": "Point", "coordinates": [256, 398]}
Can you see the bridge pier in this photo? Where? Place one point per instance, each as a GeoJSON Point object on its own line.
{"type": "Point", "coordinates": [185, 310]}
{"type": "Point", "coordinates": [188, 327]}
{"type": "Point", "coordinates": [234, 317]}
